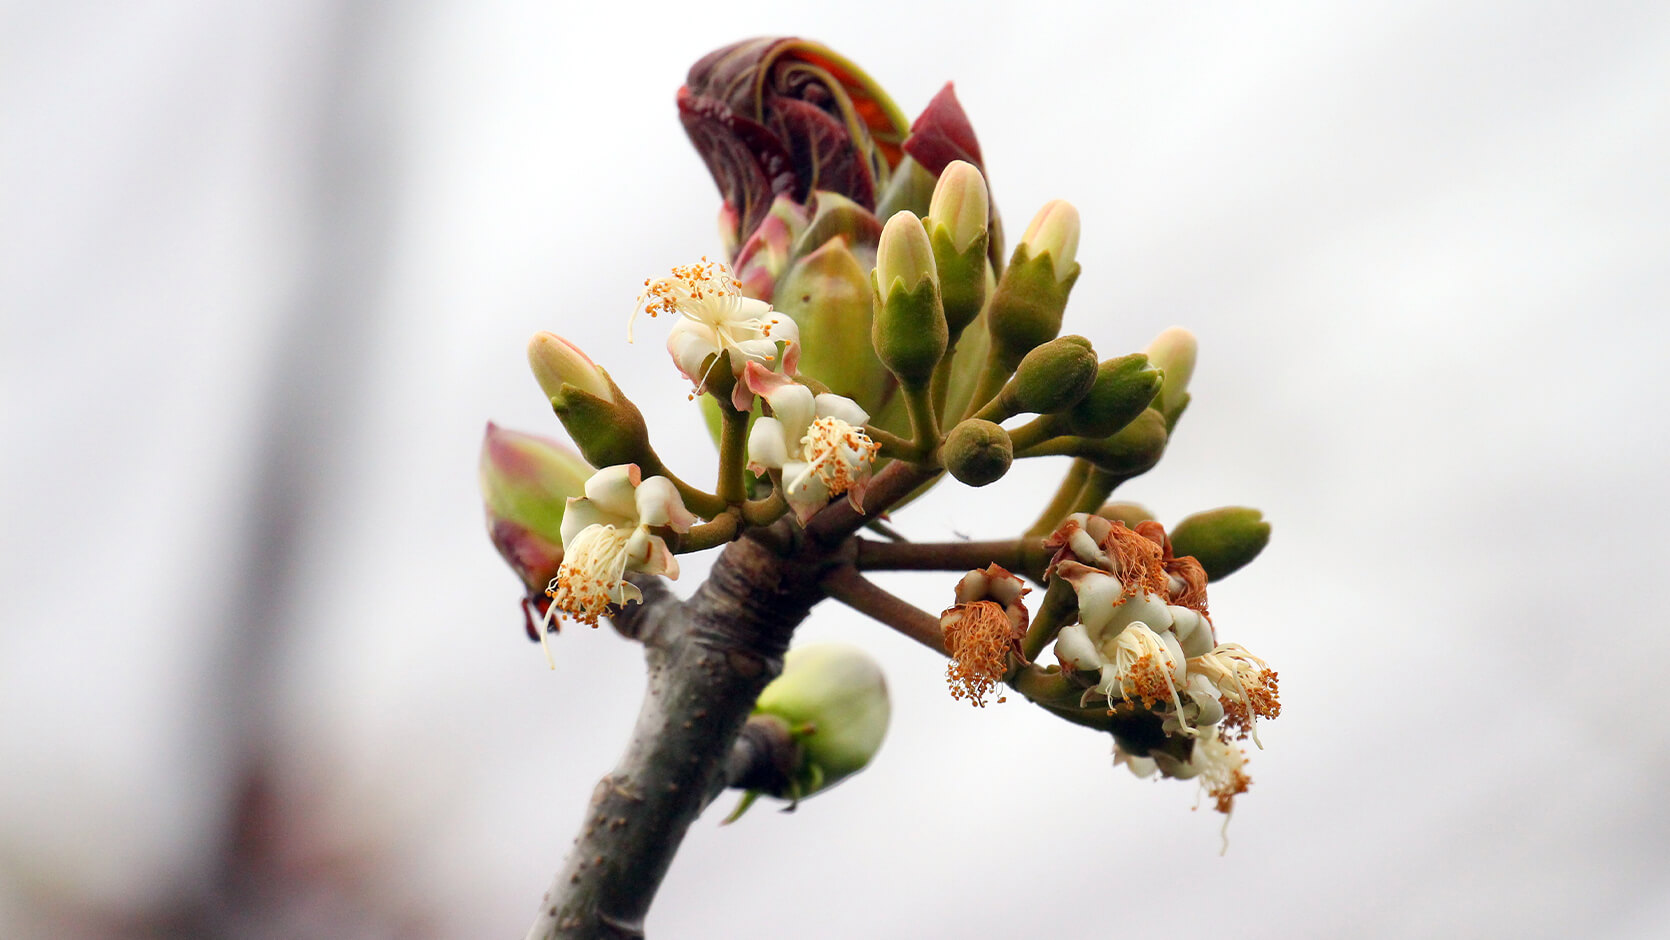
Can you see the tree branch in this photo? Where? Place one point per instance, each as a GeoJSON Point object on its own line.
{"type": "Point", "coordinates": [1021, 556]}
{"type": "Point", "coordinates": [708, 660]}
{"type": "Point", "coordinates": [846, 585]}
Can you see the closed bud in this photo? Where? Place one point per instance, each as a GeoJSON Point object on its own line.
{"type": "Point", "coordinates": [526, 481]}
{"type": "Point", "coordinates": [1222, 540]}
{"type": "Point", "coordinates": [1031, 298]}
{"type": "Point", "coordinates": [1134, 450]}
{"type": "Point", "coordinates": [909, 331]}
{"type": "Point", "coordinates": [1132, 514]}
{"type": "Point", "coordinates": [1122, 389]}
{"type": "Point", "coordinates": [1173, 352]}
{"type": "Point", "coordinates": [765, 255]}
{"type": "Point", "coordinates": [557, 362]}
{"type": "Point", "coordinates": [1055, 376]}
{"type": "Point", "coordinates": [977, 452]}
{"type": "Point", "coordinates": [608, 429]}
{"type": "Point", "coordinates": [956, 227]}
{"type": "Point", "coordinates": [832, 701]}
{"type": "Point", "coordinates": [1055, 232]}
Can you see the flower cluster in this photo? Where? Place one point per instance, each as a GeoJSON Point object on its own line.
{"type": "Point", "coordinates": [1145, 638]}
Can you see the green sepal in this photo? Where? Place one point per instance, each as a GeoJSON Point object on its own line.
{"type": "Point", "coordinates": [1026, 309]}
{"type": "Point", "coordinates": [962, 277]}
{"type": "Point", "coordinates": [908, 331]}
{"type": "Point", "coordinates": [1122, 389]}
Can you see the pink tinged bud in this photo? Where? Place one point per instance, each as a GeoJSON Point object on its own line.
{"type": "Point", "coordinates": [961, 204]}
{"type": "Point", "coordinates": [904, 255]}
{"type": "Point", "coordinates": [1173, 351]}
{"type": "Point", "coordinates": [765, 256]}
{"type": "Point", "coordinates": [526, 481]}
{"type": "Point", "coordinates": [557, 362]}
{"type": "Point", "coordinates": [1055, 230]}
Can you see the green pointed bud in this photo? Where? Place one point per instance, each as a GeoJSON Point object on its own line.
{"type": "Point", "coordinates": [832, 699]}
{"type": "Point", "coordinates": [1054, 377]}
{"type": "Point", "coordinates": [1173, 352]}
{"type": "Point", "coordinates": [1132, 514]}
{"type": "Point", "coordinates": [1134, 450]}
{"type": "Point", "coordinates": [909, 331]}
{"type": "Point", "coordinates": [526, 481]}
{"type": "Point", "coordinates": [956, 225]}
{"type": "Point", "coordinates": [1222, 540]}
{"type": "Point", "coordinates": [608, 428]}
{"type": "Point", "coordinates": [1055, 232]}
{"type": "Point", "coordinates": [1031, 297]}
{"type": "Point", "coordinates": [977, 452]}
{"type": "Point", "coordinates": [1122, 390]}
{"type": "Point", "coordinates": [827, 294]}
{"type": "Point", "coordinates": [557, 362]}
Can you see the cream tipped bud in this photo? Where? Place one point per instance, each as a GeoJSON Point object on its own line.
{"type": "Point", "coordinates": [1222, 540]}
{"type": "Point", "coordinates": [557, 362]}
{"type": "Point", "coordinates": [960, 204]}
{"type": "Point", "coordinates": [904, 256]}
{"type": "Point", "coordinates": [1173, 352]}
{"type": "Point", "coordinates": [1055, 231]}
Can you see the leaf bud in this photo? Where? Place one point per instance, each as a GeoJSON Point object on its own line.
{"type": "Point", "coordinates": [832, 701]}
{"type": "Point", "coordinates": [526, 481]}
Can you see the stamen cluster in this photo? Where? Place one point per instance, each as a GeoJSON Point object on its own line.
{"type": "Point", "coordinates": [983, 633]}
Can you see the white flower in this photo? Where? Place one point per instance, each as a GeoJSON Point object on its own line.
{"type": "Point", "coordinates": [1245, 683]}
{"type": "Point", "coordinates": [716, 317]}
{"type": "Point", "coordinates": [605, 534]}
{"type": "Point", "coordinates": [816, 440]}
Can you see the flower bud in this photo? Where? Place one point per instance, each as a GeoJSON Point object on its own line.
{"type": "Point", "coordinates": [1055, 232]}
{"type": "Point", "coordinates": [1222, 540]}
{"type": "Point", "coordinates": [956, 227]}
{"type": "Point", "coordinates": [1173, 352]}
{"type": "Point", "coordinates": [1026, 310]}
{"type": "Point", "coordinates": [1122, 389]}
{"type": "Point", "coordinates": [833, 700]}
{"type": "Point", "coordinates": [1134, 450]}
{"type": "Point", "coordinates": [608, 429]}
{"type": "Point", "coordinates": [977, 452]}
{"type": "Point", "coordinates": [1055, 376]}
{"type": "Point", "coordinates": [557, 362]}
{"type": "Point", "coordinates": [1132, 514]}
{"type": "Point", "coordinates": [909, 330]}
{"type": "Point", "coordinates": [526, 481]}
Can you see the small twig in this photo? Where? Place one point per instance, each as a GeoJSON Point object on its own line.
{"type": "Point", "coordinates": [1022, 556]}
{"type": "Point", "coordinates": [846, 585]}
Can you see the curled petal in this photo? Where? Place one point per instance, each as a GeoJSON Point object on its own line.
{"type": "Point", "coordinates": [611, 489]}
{"type": "Point", "coordinates": [658, 503]}
{"type": "Point", "coordinates": [1073, 648]}
{"type": "Point", "coordinates": [830, 405]}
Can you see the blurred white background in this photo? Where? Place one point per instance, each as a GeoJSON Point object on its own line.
{"type": "Point", "coordinates": [267, 269]}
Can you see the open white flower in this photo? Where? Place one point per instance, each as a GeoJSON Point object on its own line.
{"type": "Point", "coordinates": [816, 440]}
{"type": "Point", "coordinates": [605, 534]}
{"type": "Point", "coordinates": [716, 317]}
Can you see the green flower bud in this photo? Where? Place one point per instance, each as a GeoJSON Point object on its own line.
{"type": "Point", "coordinates": [1122, 390]}
{"type": "Point", "coordinates": [557, 362]}
{"type": "Point", "coordinates": [1134, 450]}
{"type": "Point", "coordinates": [977, 452]}
{"type": "Point", "coordinates": [1132, 514]}
{"type": "Point", "coordinates": [608, 428]}
{"type": "Point", "coordinates": [909, 331]}
{"type": "Point", "coordinates": [956, 227]}
{"type": "Point", "coordinates": [832, 698]}
{"type": "Point", "coordinates": [1026, 310]}
{"type": "Point", "coordinates": [1055, 376]}
{"type": "Point", "coordinates": [1055, 232]}
{"type": "Point", "coordinates": [1222, 540]}
{"type": "Point", "coordinates": [1173, 352]}
{"type": "Point", "coordinates": [526, 481]}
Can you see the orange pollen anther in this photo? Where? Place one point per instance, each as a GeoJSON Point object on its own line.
{"type": "Point", "coordinates": [980, 637]}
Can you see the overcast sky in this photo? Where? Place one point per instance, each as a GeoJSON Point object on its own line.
{"type": "Point", "coordinates": [267, 270]}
